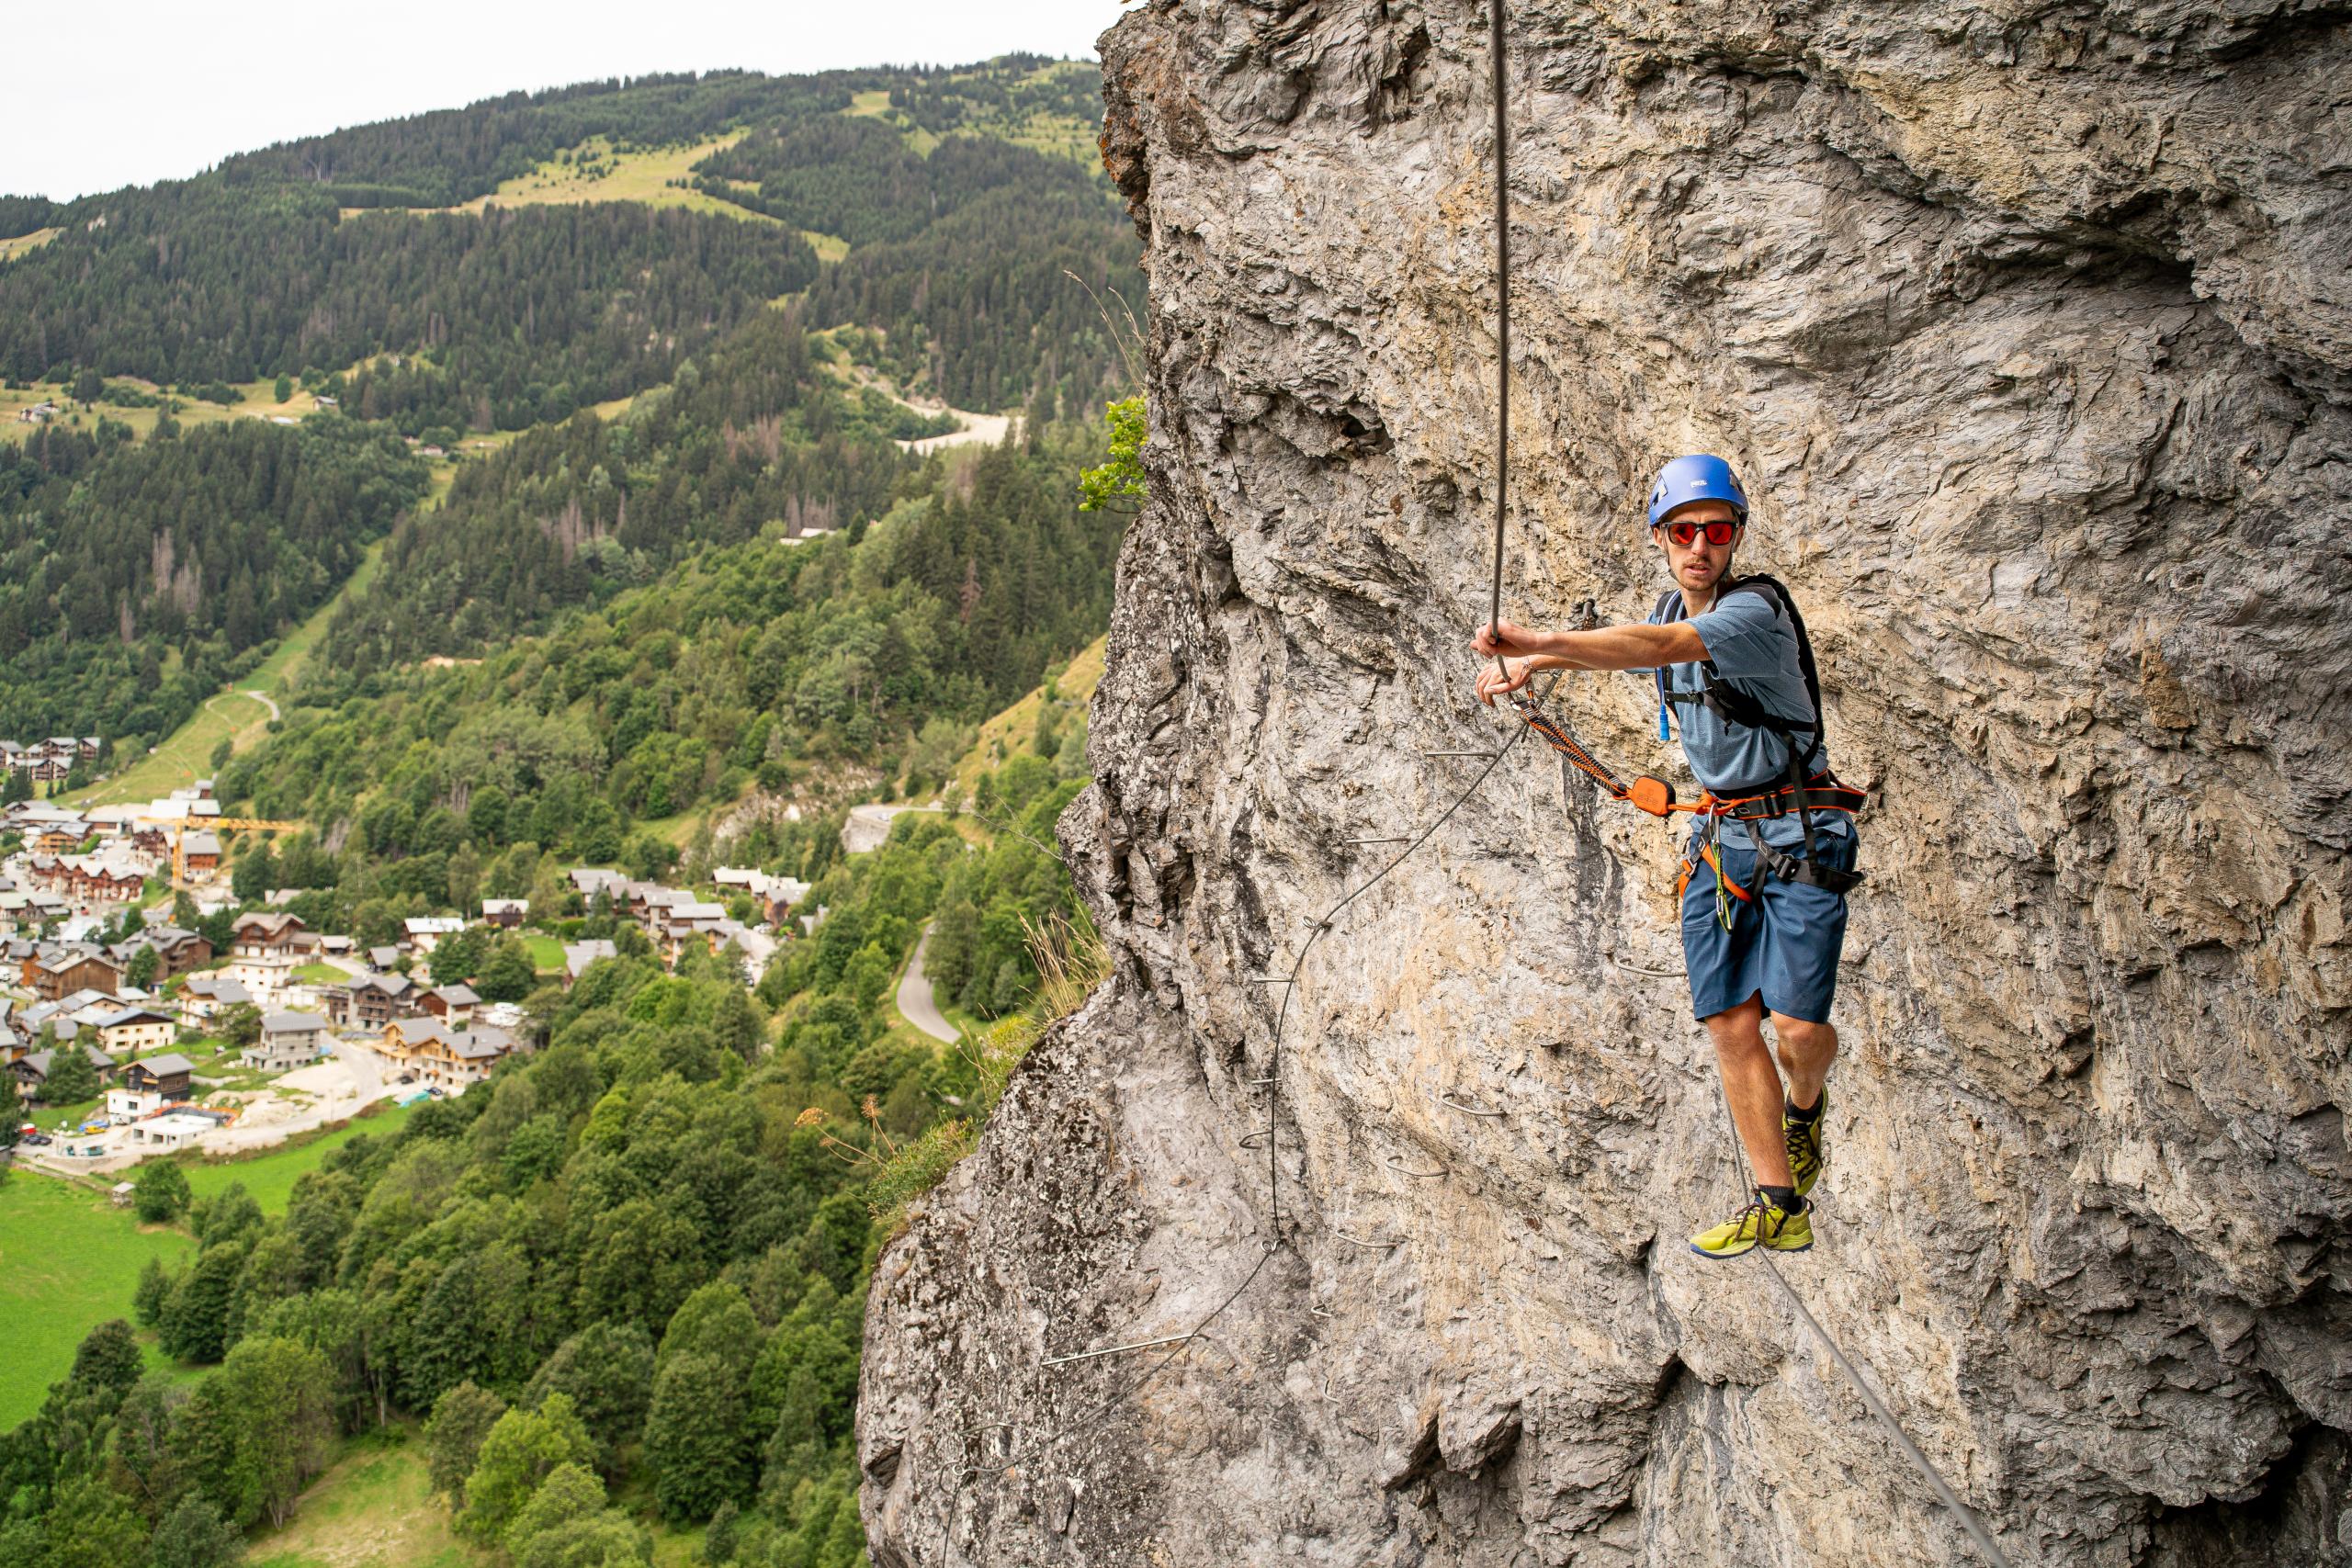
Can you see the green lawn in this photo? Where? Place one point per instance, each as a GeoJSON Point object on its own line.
{"type": "Point", "coordinates": [68, 1261]}
{"type": "Point", "coordinates": [546, 953]}
{"type": "Point", "coordinates": [270, 1176]}
{"type": "Point", "coordinates": [321, 974]}
{"type": "Point", "coordinates": [373, 1509]}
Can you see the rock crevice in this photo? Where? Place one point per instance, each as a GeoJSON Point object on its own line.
{"type": "Point", "coordinates": [2031, 331]}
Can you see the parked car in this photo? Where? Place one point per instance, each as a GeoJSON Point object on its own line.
{"type": "Point", "coordinates": [38, 1140]}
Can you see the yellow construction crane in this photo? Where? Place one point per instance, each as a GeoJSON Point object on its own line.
{"type": "Point", "coordinates": [181, 825]}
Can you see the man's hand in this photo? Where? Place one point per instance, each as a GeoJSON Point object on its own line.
{"type": "Point", "coordinates": [1494, 682]}
{"type": "Point", "coordinates": [1510, 640]}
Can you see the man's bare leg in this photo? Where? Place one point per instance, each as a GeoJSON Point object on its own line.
{"type": "Point", "coordinates": [1805, 1051]}
{"type": "Point", "coordinates": [1753, 1085]}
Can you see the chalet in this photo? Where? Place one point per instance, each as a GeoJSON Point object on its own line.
{"type": "Point", "coordinates": [130, 1031]}
{"type": "Point", "coordinates": [505, 913]}
{"type": "Point", "coordinates": [578, 955]}
{"type": "Point", "coordinates": [53, 972]}
{"type": "Point", "coordinates": [453, 1005]}
{"type": "Point", "coordinates": [201, 852]}
{"type": "Point", "coordinates": [383, 958]}
{"type": "Point", "coordinates": [177, 951]}
{"type": "Point", "coordinates": [593, 881]}
{"type": "Point", "coordinates": [757, 947]}
{"type": "Point", "coordinates": [403, 1038]}
{"type": "Point", "coordinates": [445, 1058]}
{"type": "Point", "coordinates": [210, 994]}
{"type": "Point", "coordinates": [289, 1040]}
{"type": "Point", "coordinates": [681, 922]}
{"type": "Point", "coordinates": [14, 1044]}
{"type": "Point", "coordinates": [32, 1068]}
{"type": "Point", "coordinates": [370, 1002]}
{"type": "Point", "coordinates": [257, 934]}
{"type": "Point", "coordinates": [777, 894]}
{"type": "Point", "coordinates": [337, 946]}
{"type": "Point", "coordinates": [168, 1074]}
{"type": "Point", "coordinates": [423, 932]}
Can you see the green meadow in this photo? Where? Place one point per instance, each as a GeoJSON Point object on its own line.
{"type": "Point", "coordinates": [68, 1262]}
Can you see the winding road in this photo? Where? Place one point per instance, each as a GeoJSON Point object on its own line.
{"type": "Point", "coordinates": [915, 999]}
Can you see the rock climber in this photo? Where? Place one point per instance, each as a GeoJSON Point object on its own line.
{"type": "Point", "coordinates": [1763, 905]}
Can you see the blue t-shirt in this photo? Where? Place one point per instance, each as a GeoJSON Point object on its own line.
{"type": "Point", "coordinates": [1754, 647]}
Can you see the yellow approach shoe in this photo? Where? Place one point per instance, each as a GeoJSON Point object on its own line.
{"type": "Point", "coordinates": [1762, 1222]}
{"type": "Point", "coordinates": [1807, 1159]}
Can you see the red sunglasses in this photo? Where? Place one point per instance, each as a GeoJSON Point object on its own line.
{"type": "Point", "coordinates": [1717, 533]}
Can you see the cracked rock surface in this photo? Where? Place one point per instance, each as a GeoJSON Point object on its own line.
{"type": "Point", "coordinates": [2030, 328]}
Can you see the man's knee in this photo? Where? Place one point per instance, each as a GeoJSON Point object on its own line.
{"type": "Point", "coordinates": [1802, 1041]}
{"type": "Point", "coordinates": [1738, 1031]}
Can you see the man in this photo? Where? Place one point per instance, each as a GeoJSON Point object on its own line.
{"type": "Point", "coordinates": [1763, 902]}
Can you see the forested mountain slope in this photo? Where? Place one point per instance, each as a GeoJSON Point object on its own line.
{"type": "Point", "coordinates": [975, 242]}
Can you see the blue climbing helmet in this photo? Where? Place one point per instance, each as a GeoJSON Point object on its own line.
{"type": "Point", "coordinates": [1698, 477]}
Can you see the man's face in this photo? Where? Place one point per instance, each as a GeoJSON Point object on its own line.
{"type": "Point", "coordinates": [1698, 565]}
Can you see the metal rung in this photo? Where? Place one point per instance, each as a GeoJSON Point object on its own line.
{"type": "Point", "coordinates": [1254, 1140]}
{"type": "Point", "coordinates": [1385, 839]}
{"type": "Point", "coordinates": [1359, 1241]}
{"type": "Point", "coordinates": [1115, 1349]}
{"type": "Point", "coordinates": [1273, 979]}
{"type": "Point", "coordinates": [1468, 1110]}
{"type": "Point", "coordinates": [1257, 1080]}
{"type": "Point", "coordinates": [1652, 973]}
{"type": "Point", "coordinates": [1462, 753]}
{"type": "Point", "coordinates": [1407, 1170]}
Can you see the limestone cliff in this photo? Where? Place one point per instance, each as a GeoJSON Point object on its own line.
{"type": "Point", "coordinates": [2029, 326]}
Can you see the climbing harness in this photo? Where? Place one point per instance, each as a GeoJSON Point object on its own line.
{"type": "Point", "coordinates": [1653, 795]}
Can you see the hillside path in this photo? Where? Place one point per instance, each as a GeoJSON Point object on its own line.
{"type": "Point", "coordinates": [915, 999]}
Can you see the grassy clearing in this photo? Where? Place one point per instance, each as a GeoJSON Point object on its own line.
{"type": "Point", "coordinates": [829, 247]}
{"type": "Point", "coordinates": [373, 1509]}
{"type": "Point", "coordinates": [875, 105]}
{"type": "Point", "coordinates": [68, 1261]}
{"type": "Point", "coordinates": [547, 953]}
{"type": "Point", "coordinates": [321, 974]}
{"type": "Point", "coordinates": [186, 754]}
{"type": "Point", "coordinates": [633, 177]}
{"type": "Point", "coordinates": [1076, 682]}
{"type": "Point", "coordinates": [270, 1175]}
{"type": "Point", "coordinates": [12, 248]}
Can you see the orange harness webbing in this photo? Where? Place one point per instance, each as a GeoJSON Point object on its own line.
{"type": "Point", "coordinates": [1657, 796]}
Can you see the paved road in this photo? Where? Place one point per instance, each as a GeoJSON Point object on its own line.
{"type": "Point", "coordinates": [915, 1001]}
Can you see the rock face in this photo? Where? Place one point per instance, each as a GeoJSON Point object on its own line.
{"type": "Point", "coordinates": [2030, 328]}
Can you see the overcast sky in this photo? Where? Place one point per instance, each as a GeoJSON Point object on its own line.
{"type": "Point", "coordinates": [105, 95]}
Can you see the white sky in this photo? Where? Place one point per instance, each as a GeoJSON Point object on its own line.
{"type": "Point", "coordinates": [102, 95]}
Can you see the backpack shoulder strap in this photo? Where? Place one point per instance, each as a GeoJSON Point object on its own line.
{"type": "Point", "coordinates": [1666, 612]}
{"type": "Point", "coordinates": [1776, 592]}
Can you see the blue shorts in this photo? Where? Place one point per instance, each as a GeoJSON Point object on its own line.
{"type": "Point", "coordinates": [1782, 945]}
